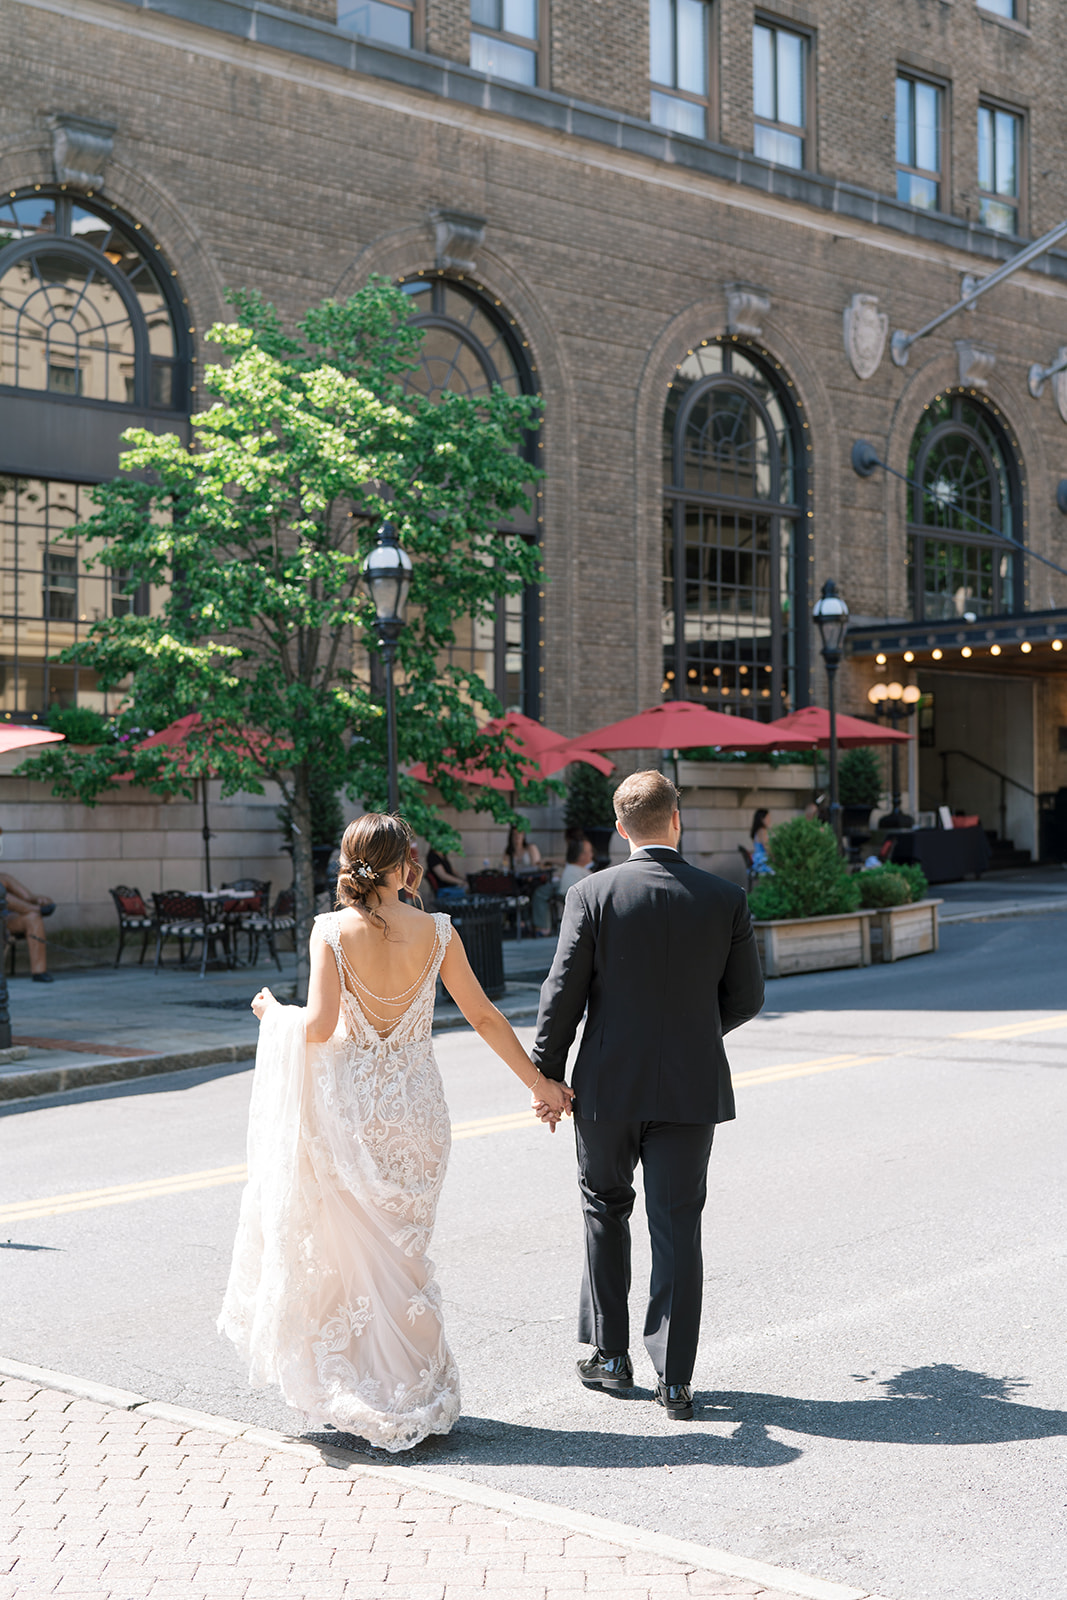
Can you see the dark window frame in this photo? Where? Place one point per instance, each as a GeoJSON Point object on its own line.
{"type": "Point", "coordinates": [417, 11]}
{"type": "Point", "coordinates": [807, 132]}
{"type": "Point", "coordinates": [789, 658]}
{"type": "Point", "coordinates": [538, 48]}
{"type": "Point", "coordinates": [530, 525]}
{"type": "Point", "coordinates": [943, 177]}
{"type": "Point", "coordinates": [709, 101]}
{"type": "Point", "coordinates": [988, 102]}
{"type": "Point", "coordinates": [920, 533]}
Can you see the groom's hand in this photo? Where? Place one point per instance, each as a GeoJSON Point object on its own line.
{"type": "Point", "coordinates": [559, 1106]}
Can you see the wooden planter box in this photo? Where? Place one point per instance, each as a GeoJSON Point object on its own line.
{"type": "Point", "coordinates": [815, 944]}
{"type": "Point", "coordinates": [905, 930]}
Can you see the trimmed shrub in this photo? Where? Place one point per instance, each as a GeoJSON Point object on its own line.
{"type": "Point", "coordinates": [589, 798]}
{"type": "Point", "coordinates": [914, 876]}
{"type": "Point", "coordinates": [811, 878]}
{"type": "Point", "coordinates": [859, 778]}
{"type": "Point", "coordinates": [883, 887]}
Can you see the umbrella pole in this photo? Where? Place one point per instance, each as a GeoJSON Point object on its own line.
{"type": "Point", "coordinates": [206, 834]}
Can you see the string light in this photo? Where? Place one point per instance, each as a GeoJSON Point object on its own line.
{"type": "Point", "coordinates": [966, 651]}
{"type": "Point", "coordinates": [1026, 647]}
{"type": "Point", "coordinates": [909, 655]}
{"type": "Point", "coordinates": [994, 649]}
{"type": "Point", "coordinates": [936, 655]}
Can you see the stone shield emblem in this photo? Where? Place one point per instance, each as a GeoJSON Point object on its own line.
{"type": "Point", "coordinates": [865, 334]}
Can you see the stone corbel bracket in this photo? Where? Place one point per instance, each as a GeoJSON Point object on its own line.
{"type": "Point", "coordinates": [746, 307]}
{"type": "Point", "coordinates": [976, 363]}
{"type": "Point", "coordinates": [865, 329]}
{"type": "Point", "coordinates": [81, 149]}
{"type": "Point", "coordinates": [457, 237]}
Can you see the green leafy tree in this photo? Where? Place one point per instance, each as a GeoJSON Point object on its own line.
{"type": "Point", "coordinates": [256, 534]}
{"type": "Point", "coordinates": [811, 878]}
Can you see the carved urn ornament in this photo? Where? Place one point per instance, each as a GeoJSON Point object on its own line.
{"type": "Point", "coordinates": [866, 329]}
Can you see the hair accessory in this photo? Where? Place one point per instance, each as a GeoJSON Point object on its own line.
{"type": "Point", "coordinates": [364, 870]}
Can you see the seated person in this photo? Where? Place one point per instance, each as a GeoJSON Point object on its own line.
{"type": "Point", "coordinates": [579, 864]}
{"type": "Point", "coordinates": [447, 883]}
{"type": "Point", "coordinates": [24, 915]}
{"type": "Point", "coordinates": [520, 853]}
{"type": "Point", "coordinates": [760, 835]}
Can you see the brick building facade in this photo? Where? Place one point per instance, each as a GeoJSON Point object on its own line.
{"type": "Point", "coordinates": [700, 318]}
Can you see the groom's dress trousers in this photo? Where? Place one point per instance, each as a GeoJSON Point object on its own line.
{"type": "Point", "coordinates": [663, 958]}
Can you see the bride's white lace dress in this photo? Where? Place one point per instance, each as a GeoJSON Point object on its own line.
{"type": "Point", "coordinates": [331, 1294]}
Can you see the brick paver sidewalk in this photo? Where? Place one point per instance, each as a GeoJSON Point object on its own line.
{"type": "Point", "coordinates": [144, 1504]}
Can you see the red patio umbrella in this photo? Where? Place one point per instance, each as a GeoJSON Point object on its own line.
{"type": "Point", "coordinates": [175, 736]}
{"type": "Point", "coordinates": [14, 736]}
{"type": "Point", "coordinates": [809, 729]}
{"type": "Point", "coordinates": [680, 725]}
{"type": "Point", "coordinates": [541, 750]}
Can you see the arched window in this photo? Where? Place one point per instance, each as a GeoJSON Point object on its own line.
{"type": "Point", "coordinates": [470, 344]}
{"type": "Point", "coordinates": [966, 492]}
{"type": "Point", "coordinates": [93, 339]}
{"type": "Point", "coordinates": [86, 311]}
{"type": "Point", "coordinates": [734, 483]}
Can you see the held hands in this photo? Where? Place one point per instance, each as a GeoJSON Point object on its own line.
{"type": "Point", "coordinates": [551, 1100]}
{"type": "Point", "coordinates": [262, 1002]}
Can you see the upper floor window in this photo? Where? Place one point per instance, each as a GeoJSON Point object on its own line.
{"type": "Point", "coordinates": [919, 122]}
{"type": "Point", "coordinates": [999, 160]}
{"type": "Point", "coordinates": [779, 94]}
{"type": "Point", "coordinates": [388, 21]}
{"type": "Point", "coordinates": [678, 65]}
{"type": "Point", "coordinates": [1000, 8]}
{"type": "Point", "coordinates": [504, 38]}
{"type": "Point", "coordinates": [84, 310]}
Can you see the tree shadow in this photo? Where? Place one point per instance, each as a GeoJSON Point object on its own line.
{"type": "Point", "coordinates": [123, 1088]}
{"type": "Point", "coordinates": [939, 1404]}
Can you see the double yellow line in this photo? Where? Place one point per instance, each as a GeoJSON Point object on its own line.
{"type": "Point", "coordinates": [1013, 1030]}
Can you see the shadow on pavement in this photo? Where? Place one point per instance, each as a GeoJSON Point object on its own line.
{"type": "Point", "coordinates": [161, 1083]}
{"type": "Point", "coordinates": [939, 1404]}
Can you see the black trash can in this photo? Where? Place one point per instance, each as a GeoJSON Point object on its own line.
{"type": "Point", "coordinates": [479, 919]}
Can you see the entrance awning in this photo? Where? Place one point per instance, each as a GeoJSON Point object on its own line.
{"type": "Point", "coordinates": [1034, 642]}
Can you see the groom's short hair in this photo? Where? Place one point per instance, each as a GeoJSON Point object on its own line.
{"type": "Point", "coordinates": [645, 803]}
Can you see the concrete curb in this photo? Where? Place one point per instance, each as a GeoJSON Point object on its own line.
{"type": "Point", "coordinates": [720, 1562]}
{"type": "Point", "coordinates": [1017, 910]}
{"type": "Point", "coordinates": [54, 1080]}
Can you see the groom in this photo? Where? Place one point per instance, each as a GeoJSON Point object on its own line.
{"type": "Point", "coordinates": [665, 958]}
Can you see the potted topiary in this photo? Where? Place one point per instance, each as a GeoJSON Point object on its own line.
{"type": "Point", "coordinates": [807, 913]}
{"type": "Point", "coordinates": [589, 808]}
{"type": "Point", "coordinates": [859, 786]}
{"type": "Point", "coordinates": [904, 921]}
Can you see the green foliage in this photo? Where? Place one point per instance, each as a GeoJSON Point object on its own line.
{"type": "Point", "coordinates": [811, 878]}
{"type": "Point", "coordinates": [589, 798]}
{"type": "Point", "coordinates": [257, 534]}
{"type": "Point", "coordinates": [882, 887]}
{"type": "Point", "coordinates": [859, 778]}
{"type": "Point", "coordinates": [80, 725]}
{"type": "Point", "coordinates": [914, 876]}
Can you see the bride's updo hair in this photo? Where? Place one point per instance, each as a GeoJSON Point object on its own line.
{"type": "Point", "coordinates": [373, 847]}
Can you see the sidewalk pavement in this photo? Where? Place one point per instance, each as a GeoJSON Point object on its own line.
{"type": "Point", "coordinates": [105, 1024]}
{"type": "Point", "coordinates": [110, 1497]}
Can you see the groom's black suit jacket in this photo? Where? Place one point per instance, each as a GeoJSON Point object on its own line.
{"type": "Point", "coordinates": [665, 957]}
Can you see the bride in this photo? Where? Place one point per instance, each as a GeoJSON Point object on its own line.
{"type": "Point", "coordinates": [331, 1294]}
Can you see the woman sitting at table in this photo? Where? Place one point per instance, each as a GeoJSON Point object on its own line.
{"type": "Point", "coordinates": [25, 911]}
{"type": "Point", "coordinates": [523, 859]}
{"type": "Point", "coordinates": [761, 843]}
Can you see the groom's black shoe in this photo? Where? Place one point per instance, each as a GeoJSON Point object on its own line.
{"type": "Point", "coordinates": [606, 1371]}
{"type": "Point", "coordinates": [676, 1400]}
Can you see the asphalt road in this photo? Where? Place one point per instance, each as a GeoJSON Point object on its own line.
{"type": "Point", "coordinates": [882, 1374]}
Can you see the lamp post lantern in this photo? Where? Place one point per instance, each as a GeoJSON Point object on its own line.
{"type": "Point", "coordinates": [896, 701]}
{"type": "Point", "coordinates": [831, 619]}
{"type": "Point", "coordinates": [387, 576]}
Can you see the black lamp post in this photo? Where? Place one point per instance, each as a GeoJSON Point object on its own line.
{"type": "Point", "coordinates": [387, 575]}
{"type": "Point", "coordinates": [895, 701]}
{"type": "Point", "coordinates": [831, 618]}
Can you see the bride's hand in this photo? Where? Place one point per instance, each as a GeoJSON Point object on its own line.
{"type": "Point", "coordinates": [262, 1002]}
{"type": "Point", "coordinates": [551, 1100]}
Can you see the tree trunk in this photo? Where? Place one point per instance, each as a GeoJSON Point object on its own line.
{"type": "Point", "coordinates": [303, 879]}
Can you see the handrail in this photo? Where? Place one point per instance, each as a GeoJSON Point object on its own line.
{"type": "Point", "coordinates": [1005, 778]}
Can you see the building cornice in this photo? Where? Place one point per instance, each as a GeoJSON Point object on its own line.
{"type": "Point", "coordinates": [250, 30]}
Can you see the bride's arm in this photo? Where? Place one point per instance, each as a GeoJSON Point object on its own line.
{"type": "Point", "coordinates": [324, 994]}
{"type": "Point", "coordinates": [492, 1026]}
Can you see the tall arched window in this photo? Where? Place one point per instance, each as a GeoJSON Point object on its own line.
{"type": "Point", "coordinates": [93, 339]}
{"type": "Point", "coordinates": [470, 344]}
{"type": "Point", "coordinates": [86, 311]}
{"type": "Point", "coordinates": [965, 492]}
{"type": "Point", "coordinates": [734, 484]}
